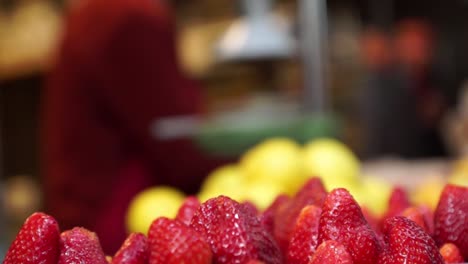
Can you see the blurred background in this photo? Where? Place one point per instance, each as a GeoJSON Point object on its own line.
{"type": "Point", "coordinates": [388, 78]}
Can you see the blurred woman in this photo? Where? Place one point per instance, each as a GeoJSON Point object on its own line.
{"type": "Point", "coordinates": [116, 75]}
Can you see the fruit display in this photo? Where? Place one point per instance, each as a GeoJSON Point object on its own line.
{"type": "Point", "coordinates": [281, 203]}
{"type": "Point", "coordinates": [310, 226]}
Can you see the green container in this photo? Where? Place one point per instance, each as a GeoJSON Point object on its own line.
{"type": "Point", "coordinates": [233, 139]}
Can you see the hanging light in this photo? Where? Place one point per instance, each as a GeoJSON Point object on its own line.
{"type": "Point", "coordinates": [258, 34]}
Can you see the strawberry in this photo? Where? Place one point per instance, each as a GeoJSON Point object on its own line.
{"type": "Point", "coordinates": [428, 215]}
{"type": "Point", "coordinates": [407, 242]}
{"type": "Point", "coordinates": [331, 252]}
{"type": "Point", "coordinates": [172, 242]}
{"type": "Point", "coordinates": [268, 216]}
{"type": "Point", "coordinates": [304, 236]}
{"type": "Point", "coordinates": [36, 242]}
{"type": "Point", "coordinates": [371, 219]}
{"type": "Point", "coordinates": [134, 250]}
{"type": "Point", "coordinates": [187, 209]}
{"type": "Point", "coordinates": [451, 218]}
{"type": "Point", "coordinates": [80, 245]}
{"type": "Point", "coordinates": [234, 232]}
{"type": "Point", "coordinates": [451, 253]}
{"type": "Point", "coordinates": [251, 206]}
{"type": "Point", "coordinates": [311, 193]}
{"type": "Point", "coordinates": [254, 261]}
{"type": "Point", "coordinates": [415, 214]}
{"type": "Point", "coordinates": [397, 203]}
{"type": "Point", "coordinates": [374, 223]}
{"type": "Point", "coordinates": [342, 220]}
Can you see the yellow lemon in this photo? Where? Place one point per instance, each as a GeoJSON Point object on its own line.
{"type": "Point", "coordinates": [458, 178]}
{"type": "Point", "coordinates": [150, 204]}
{"type": "Point", "coordinates": [428, 192]}
{"type": "Point", "coordinates": [459, 175]}
{"type": "Point", "coordinates": [277, 160]}
{"type": "Point", "coordinates": [375, 194]}
{"type": "Point", "coordinates": [262, 193]}
{"type": "Point", "coordinates": [332, 161]}
{"type": "Point", "coordinates": [227, 180]}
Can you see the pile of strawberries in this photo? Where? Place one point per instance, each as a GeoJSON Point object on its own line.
{"type": "Point", "coordinates": [312, 227]}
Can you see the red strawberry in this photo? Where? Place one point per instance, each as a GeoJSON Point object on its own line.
{"type": "Point", "coordinates": [312, 193]}
{"type": "Point", "coordinates": [414, 213]}
{"type": "Point", "coordinates": [36, 242]}
{"type": "Point", "coordinates": [371, 219]}
{"type": "Point", "coordinates": [428, 215]}
{"type": "Point", "coordinates": [251, 206]}
{"type": "Point", "coordinates": [331, 252]}
{"type": "Point", "coordinates": [254, 261]}
{"type": "Point", "coordinates": [304, 236]}
{"type": "Point", "coordinates": [80, 245]}
{"type": "Point", "coordinates": [268, 216]}
{"type": "Point", "coordinates": [451, 253]}
{"type": "Point", "coordinates": [451, 218]}
{"type": "Point", "coordinates": [399, 200]}
{"type": "Point", "coordinates": [133, 251]}
{"type": "Point", "coordinates": [374, 223]}
{"type": "Point", "coordinates": [407, 242]}
{"type": "Point", "coordinates": [342, 220]}
{"type": "Point", "coordinates": [234, 232]}
{"type": "Point", "coordinates": [187, 209]}
{"type": "Point", "coordinates": [397, 203]}
{"type": "Point", "coordinates": [172, 242]}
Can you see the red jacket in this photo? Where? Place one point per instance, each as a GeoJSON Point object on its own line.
{"type": "Point", "coordinates": [116, 72]}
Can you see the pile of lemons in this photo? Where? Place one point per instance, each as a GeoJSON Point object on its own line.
{"type": "Point", "coordinates": [274, 166]}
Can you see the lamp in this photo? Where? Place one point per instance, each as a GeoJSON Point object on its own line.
{"type": "Point", "coordinates": [258, 34]}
